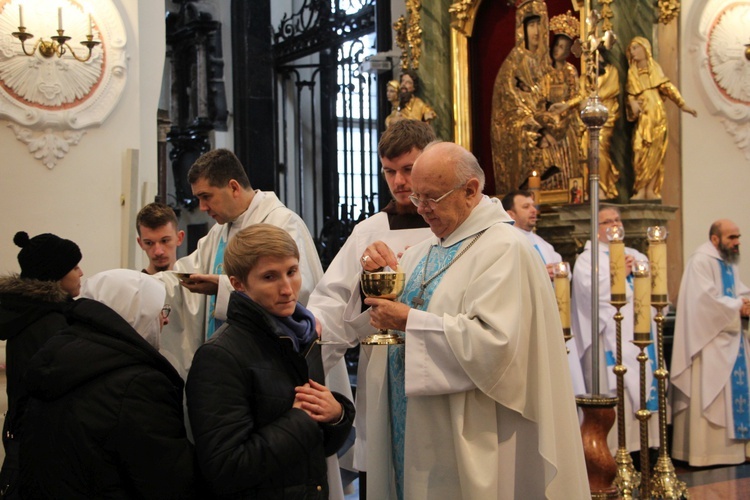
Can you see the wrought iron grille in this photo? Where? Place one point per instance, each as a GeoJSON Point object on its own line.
{"type": "Point", "coordinates": [327, 117]}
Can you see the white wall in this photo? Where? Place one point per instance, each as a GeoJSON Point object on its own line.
{"type": "Point", "coordinates": [715, 170]}
{"type": "Point", "coordinates": [80, 198]}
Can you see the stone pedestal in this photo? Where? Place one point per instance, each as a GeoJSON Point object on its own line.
{"type": "Point", "coordinates": [567, 227]}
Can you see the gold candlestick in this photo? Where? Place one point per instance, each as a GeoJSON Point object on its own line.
{"type": "Point", "coordinates": [642, 339]}
{"type": "Point", "coordinates": [664, 483]}
{"type": "Point", "coordinates": [627, 479]}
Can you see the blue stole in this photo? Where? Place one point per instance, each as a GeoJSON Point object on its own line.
{"type": "Point", "coordinates": [540, 253]}
{"type": "Point", "coordinates": [740, 394]}
{"type": "Point", "coordinates": [439, 257]}
{"type": "Point", "coordinates": [212, 324]}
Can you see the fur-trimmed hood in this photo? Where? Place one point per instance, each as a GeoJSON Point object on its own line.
{"type": "Point", "coordinates": [24, 301]}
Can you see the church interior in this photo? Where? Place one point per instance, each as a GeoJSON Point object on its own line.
{"type": "Point", "coordinates": [301, 91]}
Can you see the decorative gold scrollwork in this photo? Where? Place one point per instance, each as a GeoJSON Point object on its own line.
{"type": "Point", "coordinates": [409, 35]}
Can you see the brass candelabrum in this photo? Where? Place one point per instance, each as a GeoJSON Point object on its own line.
{"type": "Point", "coordinates": [58, 45]}
{"type": "Point", "coordinates": [664, 483]}
{"type": "Point", "coordinates": [642, 339]}
{"type": "Point", "coordinates": [627, 479]}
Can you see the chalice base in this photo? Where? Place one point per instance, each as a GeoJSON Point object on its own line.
{"type": "Point", "coordinates": [383, 337]}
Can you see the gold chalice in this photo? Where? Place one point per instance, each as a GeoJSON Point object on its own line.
{"type": "Point", "coordinates": [383, 285]}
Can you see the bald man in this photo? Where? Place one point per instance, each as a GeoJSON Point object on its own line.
{"type": "Point", "coordinates": [710, 356]}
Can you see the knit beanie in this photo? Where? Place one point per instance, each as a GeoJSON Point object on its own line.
{"type": "Point", "coordinates": [46, 257]}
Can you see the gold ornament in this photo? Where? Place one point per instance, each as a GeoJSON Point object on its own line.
{"type": "Point", "coordinates": [565, 24]}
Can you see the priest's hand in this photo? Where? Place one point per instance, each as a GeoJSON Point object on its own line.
{"type": "Point", "coordinates": [377, 256]}
{"type": "Point", "coordinates": [207, 284]}
{"type": "Point", "coordinates": [629, 263]}
{"type": "Point", "coordinates": [387, 314]}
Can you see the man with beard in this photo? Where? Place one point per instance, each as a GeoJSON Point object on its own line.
{"type": "Point", "coordinates": [411, 106]}
{"type": "Point", "coordinates": [710, 356]}
{"type": "Point", "coordinates": [337, 301]}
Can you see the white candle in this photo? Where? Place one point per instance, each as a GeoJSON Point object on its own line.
{"type": "Point", "coordinates": [562, 293]}
{"type": "Point", "coordinates": [90, 25]}
{"type": "Point", "coordinates": [20, 15]}
{"type": "Point", "coordinates": [59, 18]}
{"type": "Point", "coordinates": [642, 302]}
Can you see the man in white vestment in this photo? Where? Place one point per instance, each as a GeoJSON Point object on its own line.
{"type": "Point", "coordinates": [709, 368]}
{"type": "Point", "coordinates": [337, 300]}
{"type": "Point", "coordinates": [522, 209]}
{"type": "Point", "coordinates": [472, 406]}
{"type": "Point", "coordinates": [609, 216]}
{"type": "Point", "coordinates": [223, 189]}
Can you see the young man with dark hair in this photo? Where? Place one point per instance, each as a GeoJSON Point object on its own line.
{"type": "Point", "coordinates": [158, 236]}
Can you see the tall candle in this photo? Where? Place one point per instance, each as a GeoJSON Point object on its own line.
{"type": "Point", "coordinates": [562, 292]}
{"type": "Point", "coordinates": [657, 255]}
{"type": "Point", "coordinates": [59, 18]}
{"type": "Point", "coordinates": [20, 15]}
{"type": "Point", "coordinates": [90, 25]}
{"type": "Point", "coordinates": [642, 302]}
{"type": "Point", "coordinates": [616, 234]}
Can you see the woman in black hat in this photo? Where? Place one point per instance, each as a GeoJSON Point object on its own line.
{"type": "Point", "coordinates": [32, 309]}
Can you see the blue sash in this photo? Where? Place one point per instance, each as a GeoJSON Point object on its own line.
{"type": "Point", "coordinates": [540, 253]}
{"type": "Point", "coordinates": [212, 324]}
{"type": "Point", "coordinates": [740, 394]}
{"type": "Point", "coordinates": [439, 257]}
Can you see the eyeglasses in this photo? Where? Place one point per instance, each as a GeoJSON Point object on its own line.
{"type": "Point", "coordinates": [431, 202]}
{"type": "Point", "coordinates": [166, 310]}
{"type": "Point", "coordinates": [609, 222]}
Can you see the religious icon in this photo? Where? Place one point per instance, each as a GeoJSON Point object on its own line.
{"type": "Point", "coordinates": [410, 106]}
{"type": "Point", "coordinates": [576, 191]}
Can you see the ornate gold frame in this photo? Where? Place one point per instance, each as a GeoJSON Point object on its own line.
{"type": "Point", "coordinates": [463, 14]}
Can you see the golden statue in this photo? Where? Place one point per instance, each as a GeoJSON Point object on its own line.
{"type": "Point", "coordinates": [391, 90]}
{"type": "Point", "coordinates": [609, 93]}
{"type": "Point", "coordinates": [519, 100]}
{"type": "Point", "coordinates": [647, 87]}
{"type": "Point", "coordinates": [564, 99]}
{"type": "Point", "coordinates": [411, 106]}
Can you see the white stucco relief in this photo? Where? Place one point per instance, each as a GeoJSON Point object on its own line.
{"type": "Point", "coordinates": [48, 101]}
{"type": "Point", "coordinates": [716, 35]}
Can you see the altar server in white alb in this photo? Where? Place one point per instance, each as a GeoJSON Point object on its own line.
{"type": "Point", "coordinates": [580, 323]}
{"type": "Point", "coordinates": [521, 207]}
{"type": "Point", "coordinates": [224, 192]}
{"type": "Point", "coordinates": [710, 366]}
{"type": "Point", "coordinates": [473, 405]}
{"type": "Point", "coordinates": [337, 300]}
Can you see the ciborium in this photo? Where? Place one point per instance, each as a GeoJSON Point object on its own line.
{"type": "Point", "coordinates": [383, 285]}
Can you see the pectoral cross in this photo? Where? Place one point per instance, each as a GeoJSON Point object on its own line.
{"type": "Point", "coordinates": [418, 300]}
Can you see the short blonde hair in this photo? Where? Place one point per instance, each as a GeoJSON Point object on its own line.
{"type": "Point", "coordinates": [250, 244]}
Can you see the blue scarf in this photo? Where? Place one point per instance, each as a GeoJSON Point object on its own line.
{"type": "Point", "coordinates": [300, 327]}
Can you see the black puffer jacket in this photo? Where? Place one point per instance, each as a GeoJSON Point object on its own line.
{"type": "Point", "coordinates": [105, 418]}
{"type": "Point", "coordinates": [250, 442]}
{"type": "Point", "coordinates": [31, 312]}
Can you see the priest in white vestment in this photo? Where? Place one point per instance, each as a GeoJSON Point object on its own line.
{"type": "Point", "coordinates": [709, 369]}
{"type": "Point", "coordinates": [581, 327]}
{"type": "Point", "coordinates": [484, 412]}
{"type": "Point", "coordinates": [521, 207]}
{"type": "Point", "coordinates": [337, 300]}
